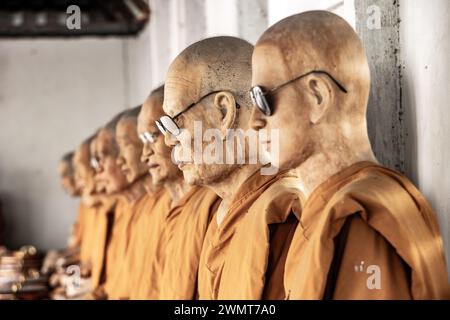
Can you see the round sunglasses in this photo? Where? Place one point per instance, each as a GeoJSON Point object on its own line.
{"type": "Point", "coordinates": [259, 95]}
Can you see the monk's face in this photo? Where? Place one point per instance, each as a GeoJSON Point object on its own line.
{"type": "Point", "coordinates": [84, 175]}
{"type": "Point", "coordinates": [109, 172]}
{"type": "Point", "coordinates": [99, 185]}
{"type": "Point", "coordinates": [204, 114]}
{"type": "Point", "coordinates": [67, 178]}
{"type": "Point", "coordinates": [130, 150]}
{"type": "Point", "coordinates": [156, 155]}
{"type": "Point", "coordinates": [289, 107]}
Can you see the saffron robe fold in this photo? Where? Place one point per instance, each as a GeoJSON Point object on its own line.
{"type": "Point", "coordinates": [147, 283]}
{"type": "Point", "coordinates": [124, 215]}
{"type": "Point", "coordinates": [218, 237]}
{"type": "Point", "coordinates": [392, 247]}
{"type": "Point", "coordinates": [184, 236]}
{"type": "Point", "coordinates": [254, 264]}
{"type": "Point", "coordinates": [128, 275]}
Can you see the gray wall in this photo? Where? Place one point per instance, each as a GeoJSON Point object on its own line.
{"type": "Point", "coordinates": [425, 59]}
{"type": "Point", "coordinates": [408, 119]}
{"type": "Point", "coordinates": [53, 94]}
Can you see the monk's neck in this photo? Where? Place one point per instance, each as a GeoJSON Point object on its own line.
{"type": "Point", "coordinates": [228, 187]}
{"type": "Point", "coordinates": [135, 191]}
{"type": "Point", "coordinates": [177, 189]}
{"type": "Point", "coordinates": [149, 187]}
{"type": "Point", "coordinates": [320, 166]}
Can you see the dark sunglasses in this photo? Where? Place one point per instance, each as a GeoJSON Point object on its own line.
{"type": "Point", "coordinates": [167, 124]}
{"type": "Point", "coordinates": [258, 94]}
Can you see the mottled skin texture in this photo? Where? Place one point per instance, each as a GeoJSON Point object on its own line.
{"type": "Point", "coordinates": [216, 64]}
{"type": "Point", "coordinates": [326, 126]}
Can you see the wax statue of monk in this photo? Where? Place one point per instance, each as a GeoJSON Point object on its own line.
{"type": "Point", "coordinates": [178, 228]}
{"type": "Point", "coordinates": [86, 224]}
{"type": "Point", "coordinates": [67, 175]}
{"type": "Point", "coordinates": [207, 85]}
{"type": "Point", "coordinates": [90, 201]}
{"type": "Point", "coordinates": [365, 231]}
{"type": "Point", "coordinates": [128, 195]}
{"type": "Point", "coordinates": [146, 195]}
{"type": "Point", "coordinates": [67, 180]}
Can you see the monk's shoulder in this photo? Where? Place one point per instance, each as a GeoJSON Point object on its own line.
{"type": "Point", "coordinates": [277, 201]}
{"type": "Point", "coordinates": [376, 191]}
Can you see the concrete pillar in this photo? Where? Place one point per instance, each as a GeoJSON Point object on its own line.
{"type": "Point", "coordinates": [377, 23]}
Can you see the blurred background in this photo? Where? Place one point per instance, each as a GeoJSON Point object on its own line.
{"type": "Point", "coordinates": [57, 85]}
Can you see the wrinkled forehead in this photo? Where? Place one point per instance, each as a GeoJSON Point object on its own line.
{"type": "Point", "coordinates": [126, 128]}
{"type": "Point", "coordinates": [269, 66]}
{"type": "Point", "coordinates": [93, 145]}
{"type": "Point", "coordinates": [183, 85]}
{"type": "Point", "coordinates": [150, 112]}
{"type": "Point", "coordinates": [105, 141]}
{"type": "Point", "coordinates": [81, 156]}
{"type": "Point", "coordinates": [64, 167]}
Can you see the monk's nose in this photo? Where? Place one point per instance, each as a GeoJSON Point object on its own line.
{"type": "Point", "coordinates": [170, 140]}
{"type": "Point", "coordinates": [146, 152]}
{"type": "Point", "coordinates": [257, 121]}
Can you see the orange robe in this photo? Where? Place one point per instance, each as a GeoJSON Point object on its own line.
{"type": "Point", "coordinates": [184, 235]}
{"type": "Point", "coordinates": [254, 263]}
{"type": "Point", "coordinates": [103, 225]}
{"type": "Point", "coordinates": [128, 275]}
{"type": "Point", "coordinates": [366, 233]}
{"type": "Point", "coordinates": [147, 283]}
{"type": "Point", "coordinates": [117, 247]}
{"type": "Point", "coordinates": [87, 237]}
{"type": "Point", "coordinates": [77, 228]}
{"type": "Point", "coordinates": [219, 237]}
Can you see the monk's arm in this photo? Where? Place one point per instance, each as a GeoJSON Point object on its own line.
{"type": "Point", "coordinates": [370, 268]}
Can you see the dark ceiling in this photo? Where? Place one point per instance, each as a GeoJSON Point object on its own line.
{"type": "Point", "coordinates": [47, 18]}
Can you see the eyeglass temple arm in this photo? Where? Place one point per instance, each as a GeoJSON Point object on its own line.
{"type": "Point", "coordinates": [340, 86]}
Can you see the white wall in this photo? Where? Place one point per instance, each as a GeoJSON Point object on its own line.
{"type": "Point", "coordinates": [280, 9]}
{"type": "Point", "coordinates": [175, 24]}
{"type": "Point", "coordinates": [425, 47]}
{"type": "Point", "coordinates": [53, 94]}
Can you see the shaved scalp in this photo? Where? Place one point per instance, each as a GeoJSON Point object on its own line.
{"type": "Point", "coordinates": [132, 113]}
{"type": "Point", "coordinates": [67, 157]}
{"type": "Point", "coordinates": [154, 100]}
{"type": "Point", "coordinates": [158, 92]}
{"type": "Point", "coordinates": [86, 145]}
{"type": "Point", "coordinates": [224, 63]}
{"type": "Point", "coordinates": [111, 125]}
{"type": "Point", "coordinates": [321, 40]}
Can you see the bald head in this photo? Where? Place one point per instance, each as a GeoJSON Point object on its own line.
{"type": "Point", "coordinates": [213, 64]}
{"type": "Point", "coordinates": [131, 114]}
{"type": "Point", "coordinates": [67, 175]}
{"type": "Point", "coordinates": [152, 109]}
{"type": "Point", "coordinates": [314, 71]}
{"type": "Point", "coordinates": [314, 40]}
{"type": "Point", "coordinates": [130, 146]}
{"type": "Point", "coordinates": [84, 173]}
{"type": "Point", "coordinates": [66, 161]}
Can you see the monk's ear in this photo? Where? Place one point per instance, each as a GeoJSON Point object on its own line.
{"type": "Point", "coordinates": [224, 101]}
{"type": "Point", "coordinates": [319, 94]}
